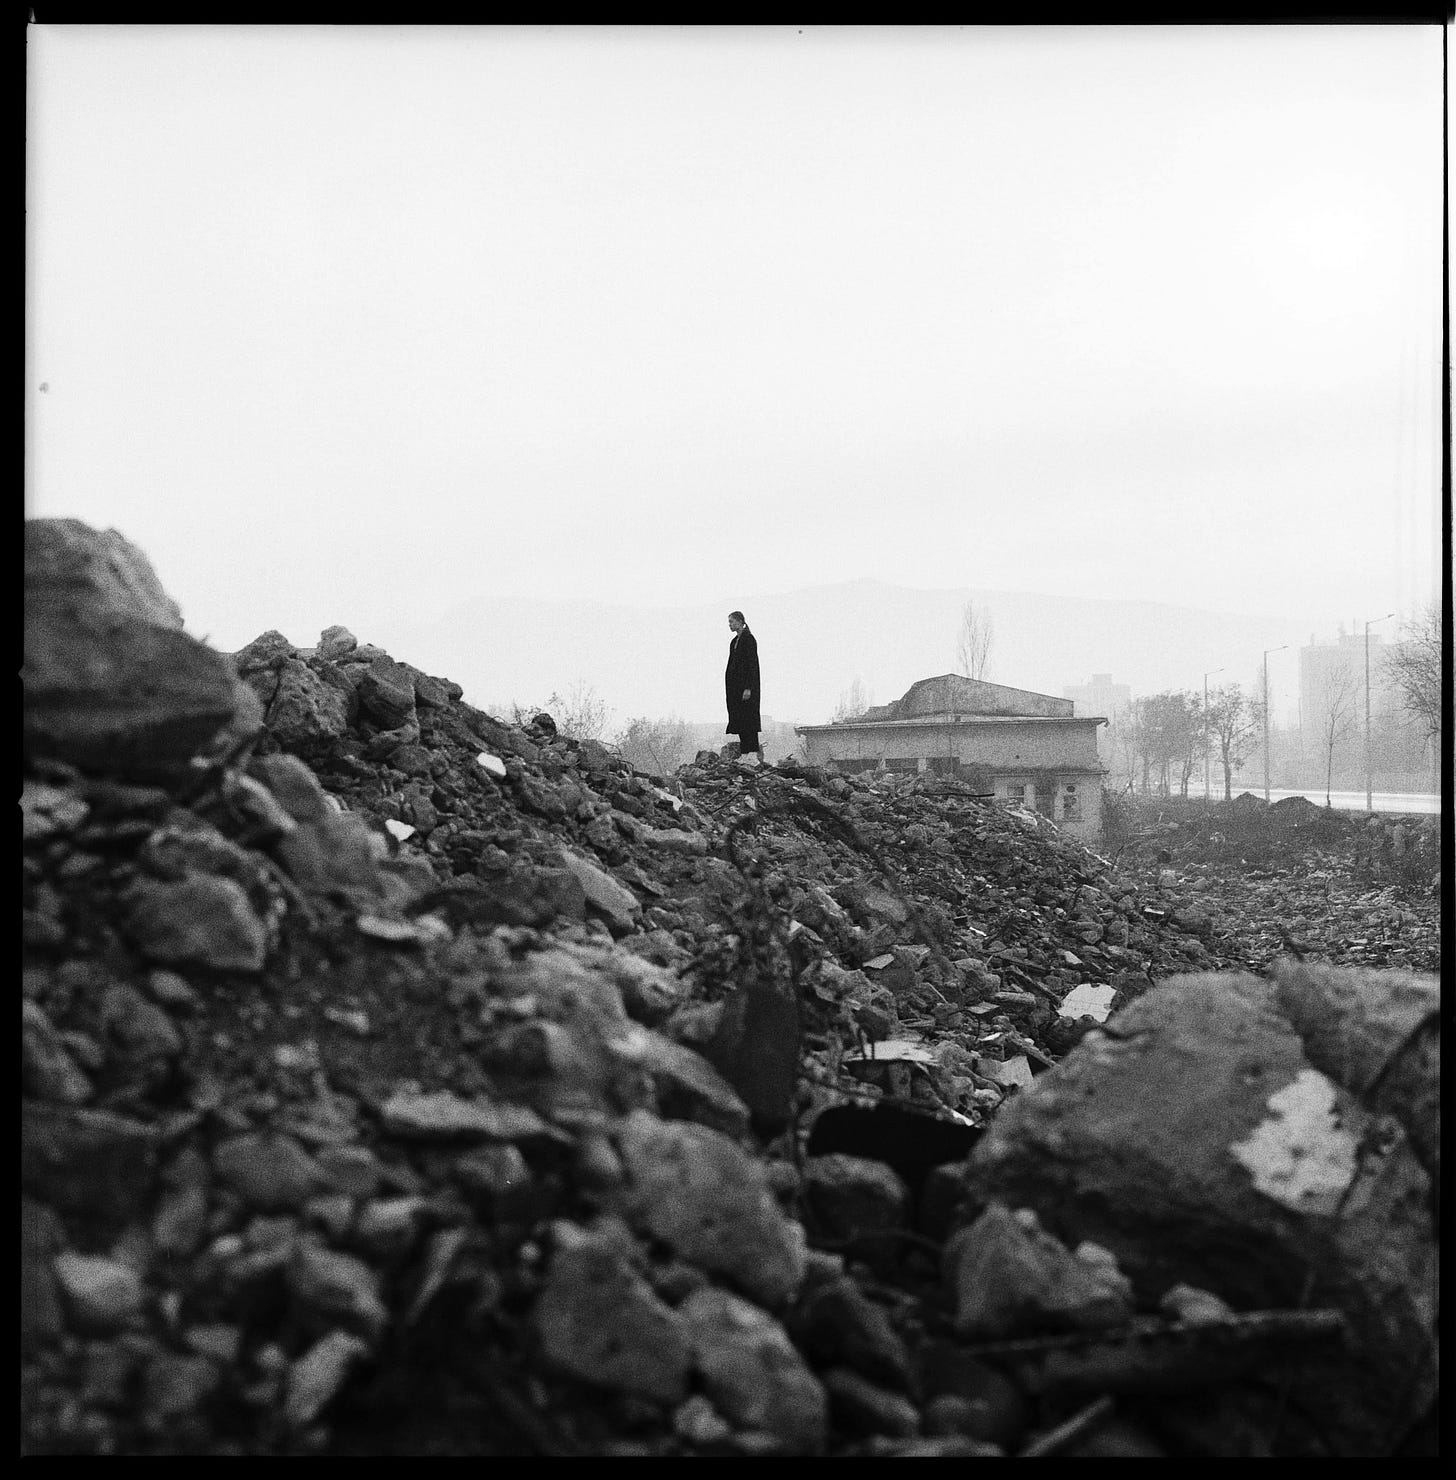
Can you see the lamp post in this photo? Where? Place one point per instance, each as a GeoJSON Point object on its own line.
{"type": "Point", "coordinates": [1207, 797]}
{"type": "Point", "coordinates": [1267, 651]}
{"type": "Point", "coordinates": [1369, 795]}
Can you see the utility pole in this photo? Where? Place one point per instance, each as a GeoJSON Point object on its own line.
{"type": "Point", "coordinates": [1369, 794]}
{"type": "Point", "coordinates": [1207, 795]}
{"type": "Point", "coordinates": [1267, 651]}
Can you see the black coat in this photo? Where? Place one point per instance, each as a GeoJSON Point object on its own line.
{"type": "Point", "coordinates": [742, 673]}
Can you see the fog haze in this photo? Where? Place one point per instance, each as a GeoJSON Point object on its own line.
{"type": "Point", "coordinates": [374, 325]}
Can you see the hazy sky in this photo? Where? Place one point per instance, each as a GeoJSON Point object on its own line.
{"type": "Point", "coordinates": [340, 323]}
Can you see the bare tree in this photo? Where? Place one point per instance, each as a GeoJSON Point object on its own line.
{"type": "Point", "coordinates": [1234, 723]}
{"type": "Point", "coordinates": [853, 702]}
{"type": "Point", "coordinates": [582, 713]}
{"type": "Point", "coordinates": [656, 745]}
{"type": "Point", "coordinates": [974, 639]}
{"type": "Point", "coordinates": [1122, 750]}
{"type": "Point", "coordinates": [1334, 716]}
{"type": "Point", "coordinates": [1415, 669]}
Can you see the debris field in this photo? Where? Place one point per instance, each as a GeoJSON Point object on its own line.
{"type": "Point", "coordinates": [400, 1081]}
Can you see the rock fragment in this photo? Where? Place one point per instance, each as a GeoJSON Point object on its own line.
{"type": "Point", "coordinates": [101, 1294]}
{"type": "Point", "coordinates": [599, 1321]}
{"type": "Point", "coordinates": [752, 1372]}
{"type": "Point", "coordinates": [202, 920]}
{"type": "Point", "coordinates": [697, 1191]}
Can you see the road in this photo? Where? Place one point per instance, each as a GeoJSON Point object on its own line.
{"type": "Point", "coordinates": [1342, 801]}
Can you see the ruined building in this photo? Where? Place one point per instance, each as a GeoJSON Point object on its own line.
{"type": "Point", "coordinates": [1022, 746]}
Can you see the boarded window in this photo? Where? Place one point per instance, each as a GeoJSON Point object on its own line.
{"type": "Point", "coordinates": [943, 765]}
{"type": "Point", "coordinates": [1071, 803]}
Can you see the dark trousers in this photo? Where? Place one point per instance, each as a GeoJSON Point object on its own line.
{"type": "Point", "coordinates": [747, 741]}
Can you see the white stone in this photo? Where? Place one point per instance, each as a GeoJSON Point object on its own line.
{"type": "Point", "coordinates": [1085, 1000]}
{"type": "Point", "coordinates": [492, 763]}
{"type": "Point", "coordinates": [1301, 1156]}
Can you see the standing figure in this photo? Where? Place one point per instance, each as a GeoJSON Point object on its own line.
{"type": "Point", "coordinates": [740, 685]}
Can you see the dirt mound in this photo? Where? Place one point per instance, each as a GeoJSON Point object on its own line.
{"type": "Point", "coordinates": [397, 1080]}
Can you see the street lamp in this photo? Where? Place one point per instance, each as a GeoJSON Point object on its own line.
{"type": "Point", "coordinates": [1207, 798]}
{"type": "Point", "coordinates": [1267, 651]}
{"type": "Point", "coordinates": [1369, 795]}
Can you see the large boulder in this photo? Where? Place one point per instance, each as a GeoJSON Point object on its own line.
{"type": "Point", "coordinates": [1198, 1138]}
{"type": "Point", "coordinates": [66, 558]}
{"type": "Point", "coordinates": [112, 684]}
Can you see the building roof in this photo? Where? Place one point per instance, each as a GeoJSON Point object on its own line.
{"type": "Point", "coordinates": [950, 697]}
{"type": "Point", "coordinates": [939, 721]}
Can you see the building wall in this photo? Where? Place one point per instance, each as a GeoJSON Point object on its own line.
{"type": "Point", "coordinates": [1053, 764]}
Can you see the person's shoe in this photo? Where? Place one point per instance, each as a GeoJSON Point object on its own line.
{"type": "Point", "coordinates": [749, 762]}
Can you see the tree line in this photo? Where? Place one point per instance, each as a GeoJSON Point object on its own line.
{"type": "Point", "coordinates": [1160, 744]}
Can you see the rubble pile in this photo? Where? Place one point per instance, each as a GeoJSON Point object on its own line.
{"type": "Point", "coordinates": [1294, 877]}
{"type": "Point", "coordinates": [397, 1080]}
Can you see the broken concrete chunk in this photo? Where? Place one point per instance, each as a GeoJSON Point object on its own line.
{"type": "Point", "coordinates": [857, 1199]}
{"type": "Point", "coordinates": [688, 1086]}
{"type": "Point", "coordinates": [305, 710]}
{"type": "Point", "coordinates": [47, 1070]}
{"type": "Point", "coordinates": [118, 695]}
{"type": "Point", "coordinates": [1008, 1274]}
{"type": "Point", "coordinates": [835, 1321]}
{"type": "Point", "coordinates": [315, 1379]}
{"type": "Point", "coordinates": [752, 1372]}
{"type": "Point", "coordinates": [335, 854]}
{"type": "Point", "coordinates": [599, 1321]}
{"type": "Point", "coordinates": [101, 569]}
{"type": "Point", "coordinates": [1194, 1306]}
{"type": "Point", "coordinates": [293, 784]}
{"type": "Point", "coordinates": [1202, 1110]}
{"type": "Point", "coordinates": [444, 1116]}
{"type": "Point", "coordinates": [48, 810]}
{"type": "Point", "coordinates": [387, 693]}
{"type": "Point", "coordinates": [201, 920]}
{"type": "Point", "coordinates": [1085, 1000]}
{"type": "Point", "coordinates": [265, 651]}
{"type": "Point", "coordinates": [337, 1286]}
{"type": "Point", "coordinates": [1014, 1072]}
{"type": "Point", "coordinates": [101, 1294]}
{"type": "Point", "coordinates": [603, 893]}
{"type": "Point", "coordinates": [334, 642]}
{"type": "Point", "coordinates": [270, 1170]}
{"type": "Point", "coordinates": [86, 1161]}
{"type": "Point", "coordinates": [696, 1190]}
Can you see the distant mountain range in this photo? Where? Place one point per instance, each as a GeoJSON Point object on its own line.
{"type": "Point", "coordinates": [815, 642]}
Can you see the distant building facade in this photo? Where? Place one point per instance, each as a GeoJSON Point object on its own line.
{"type": "Point", "coordinates": [1022, 746]}
{"type": "Point", "coordinates": [1343, 662]}
{"type": "Point", "coordinates": [1101, 696]}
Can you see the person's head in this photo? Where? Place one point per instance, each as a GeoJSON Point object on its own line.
{"type": "Point", "coordinates": [736, 622]}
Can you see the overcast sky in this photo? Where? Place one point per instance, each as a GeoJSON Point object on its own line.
{"type": "Point", "coordinates": [342, 322]}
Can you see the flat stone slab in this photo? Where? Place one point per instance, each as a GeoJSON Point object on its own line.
{"type": "Point", "coordinates": [443, 1116]}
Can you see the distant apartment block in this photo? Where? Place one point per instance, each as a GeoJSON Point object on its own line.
{"type": "Point", "coordinates": [1101, 696]}
{"type": "Point", "coordinates": [1343, 662]}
